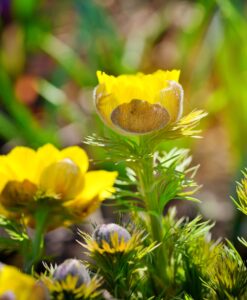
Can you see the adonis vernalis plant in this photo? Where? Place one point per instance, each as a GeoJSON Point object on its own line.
{"type": "Point", "coordinates": [151, 108]}
{"type": "Point", "coordinates": [152, 255]}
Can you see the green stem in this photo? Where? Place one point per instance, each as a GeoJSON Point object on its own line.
{"type": "Point", "coordinates": [37, 244]}
{"type": "Point", "coordinates": [150, 195]}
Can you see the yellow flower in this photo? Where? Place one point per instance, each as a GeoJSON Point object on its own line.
{"type": "Point", "coordinates": [139, 104]}
{"type": "Point", "coordinates": [20, 286]}
{"type": "Point", "coordinates": [142, 104]}
{"type": "Point", "coordinates": [49, 176]}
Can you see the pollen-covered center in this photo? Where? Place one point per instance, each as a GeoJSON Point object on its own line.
{"type": "Point", "coordinates": [139, 116]}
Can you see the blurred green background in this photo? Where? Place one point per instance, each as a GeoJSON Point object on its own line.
{"type": "Point", "coordinates": [51, 49]}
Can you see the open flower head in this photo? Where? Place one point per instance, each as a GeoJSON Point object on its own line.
{"type": "Point", "coordinates": [19, 286]}
{"type": "Point", "coordinates": [141, 104]}
{"type": "Point", "coordinates": [48, 176]}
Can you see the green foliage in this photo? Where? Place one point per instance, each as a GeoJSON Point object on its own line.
{"type": "Point", "coordinates": [241, 203]}
{"type": "Point", "coordinates": [227, 279]}
{"type": "Point", "coordinates": [190, 252]}
{"type": "Point", "coordinates": [173, 175]}
{"type": "Point", "coordinates": [16, 232]}
{"type": "Point", "coordinates": [197, 267]}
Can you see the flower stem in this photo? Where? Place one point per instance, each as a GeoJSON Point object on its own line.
{"type": "Point", "coordinates": [150, 195]}
{"type": "Point", "coordinates": [37, 243]}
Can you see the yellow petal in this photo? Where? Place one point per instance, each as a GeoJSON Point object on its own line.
{"type": "Point", "coordinates": [98, 186]}
{"type": "Point", "coordinates": [77, 155]}
{"type": "Point", "coordinates": [21, 285]}
{"type": "Point", "coordinates": [22, 163]}
{"type": "Point", "coordinates": [46, 155]}
{"type": "Point", "coordinates": [98, 183]}
{"type": "Point", "coordinates": [6, 169]}
{"type": "Point", "coordinates": [171, 98]}
{"type": "Point", "coordinates": [125, 88]}
{"type": "Point", "coordinates": [105, 104]}
{"type": "Point", "coordinates": [4, 178]}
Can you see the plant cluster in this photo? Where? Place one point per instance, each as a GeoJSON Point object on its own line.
{"type": "Point", "coordinates": [152, 255]}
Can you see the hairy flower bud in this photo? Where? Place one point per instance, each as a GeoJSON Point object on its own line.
{"type": "Point", "coordinates": [106, 232]}
{"type": "Point", "coordinates": [74, 268]}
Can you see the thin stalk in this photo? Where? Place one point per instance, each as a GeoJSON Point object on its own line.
{"type": "Point", "coordinates": [37, 243]}
{"type": "Point", "coordinates": [149, 192]}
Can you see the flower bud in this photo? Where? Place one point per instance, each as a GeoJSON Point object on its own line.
{"type": "Point", "coordinates": [74, 268]}
{"type": "Point", "coordinates": [105, 232]}
{"type": "Point", "coordinates": [64, 178]}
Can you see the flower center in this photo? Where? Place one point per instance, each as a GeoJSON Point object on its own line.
{"type": "Point", "coordinates": [139, 116]}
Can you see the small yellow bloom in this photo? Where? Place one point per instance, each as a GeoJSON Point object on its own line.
{"type": "Point", "coordinates": [21, 286]}
{"type": "Point", "coordinates": [139, 104]}
{"type": "Point", "coordinates": [29, 177]}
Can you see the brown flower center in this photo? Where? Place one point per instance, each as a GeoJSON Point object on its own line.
{"type": "Point", "coordinates": [139, 116]}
